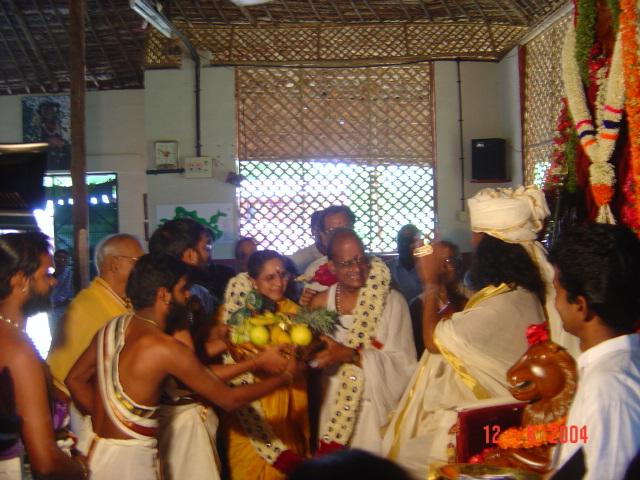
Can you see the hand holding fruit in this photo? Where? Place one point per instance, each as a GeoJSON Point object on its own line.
{"type": "Point", "coordinates": [274, 359]}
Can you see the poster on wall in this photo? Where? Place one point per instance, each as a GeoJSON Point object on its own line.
{"type": "Point", "coordinates": [46, 118]}
{"type": "Point", "coordinates": [218, 217]}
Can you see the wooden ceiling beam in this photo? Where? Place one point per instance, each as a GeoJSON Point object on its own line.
{"type": "Point", "coordinates": [461, 9]}
{"type": "Point", "coordinates": [204, 15]}
{"type": "Point", "coordinates": [482, 14]}
{"type": "Point", "coordinates": [446, 7]}
{"type": "Point", "coordinates": [291, 15]}
{"type": "Point", "coordinates": [335, 7]}
{"type": "Point", "coordinates": [15, 60]}
{"type": "Point", "coordinates": [6, 81]}
{"type": "Point", "coordinates": [404, 9]}
{"type": "Point", "coordinates": [315, 10]}
{"type": "Point", "coordinates": [373, 12]}
{"type": "Point", "coordinates": [137, 73]}
{"type": "Point", "coordinates": [505, 12]}
{"type": "Point", "coordinates": [63, 26]}
{"type": "Point", "coordinates": [186, 17]}
{"type": "Point", "coordinates": [425, 10]}
{"type": "Point", "coordinates": [101, 48]}
{"type": "Point", "coordinates": [247, 14]}
{"type": "Point", "coordinates": [355, 9]}
{"type": "Point", "coordinates": [221, 12]}
{"type": "Point", "coordinates": [520, 12]}
{"type": "Point", "coordinates": [24, 51]}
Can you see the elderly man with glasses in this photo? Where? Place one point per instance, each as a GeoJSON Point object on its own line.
{"type": "Point", "coordinates": [370, 358]}
{"type": "Point", "coordinates": [91, 309]}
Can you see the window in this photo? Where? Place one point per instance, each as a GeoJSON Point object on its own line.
{"type": "Point", "coordinates": [310, 138]}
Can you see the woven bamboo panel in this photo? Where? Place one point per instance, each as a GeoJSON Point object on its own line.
{"type": "Point", "coordinates": [342, 44]}
{"type": "Point", "coordinates": [377, 113]}
{"type": "Point", "coordinates": [543, 92]}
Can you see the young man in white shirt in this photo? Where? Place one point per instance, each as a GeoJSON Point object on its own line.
{"type": "Point", "coordinates": [597, 273]}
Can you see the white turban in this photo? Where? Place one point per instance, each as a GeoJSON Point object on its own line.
{"type": "Point", "coordinates": [517, 216]}
{"type": "Point", "coordinates": [513, 216]}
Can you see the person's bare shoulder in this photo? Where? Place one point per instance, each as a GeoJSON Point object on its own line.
{"type": "Point", "coordinates": [319, 300]}
{"type": "Point", "coordinates": [18, 354]}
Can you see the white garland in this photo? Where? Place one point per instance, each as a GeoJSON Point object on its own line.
{"type": "Point", "coordinates": [370, 304]}
{"type": "Point", "coordinates": [598, 148]}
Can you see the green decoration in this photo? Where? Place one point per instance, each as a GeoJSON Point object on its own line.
{"type": "Point", "coordinates": [211, 224]}
{"type": "Point", "coordinates": [585, 35]}
{"type": "Point", "coordinates": [614, 6]}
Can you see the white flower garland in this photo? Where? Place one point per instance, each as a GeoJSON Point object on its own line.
{"type": "Point", "coordinates": [370, 304]}
{"type": "Point", "coordinates": [598, 145]}
{"type": "Point", "coordinates": [252, 417]}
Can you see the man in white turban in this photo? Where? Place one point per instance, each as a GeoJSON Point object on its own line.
{"type": "Point", "coordinates": [468, 355]}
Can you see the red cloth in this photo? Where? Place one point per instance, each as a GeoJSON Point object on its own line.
{"type": "Point", "coordinates": [287, 461]}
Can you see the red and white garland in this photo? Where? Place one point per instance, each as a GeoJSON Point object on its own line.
{"type": "Point", "coordinates": [598, 141]}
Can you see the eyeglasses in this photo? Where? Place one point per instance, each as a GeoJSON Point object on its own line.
{"type": "Point", "coordinates": [356, 262]}
{"type": "Point", "coordinates": [275, 276]}
{"type": "Point", "coordinates": [128, 257]}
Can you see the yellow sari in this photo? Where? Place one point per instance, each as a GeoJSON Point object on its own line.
{"type": "Point", "coordinates": [285, 411]}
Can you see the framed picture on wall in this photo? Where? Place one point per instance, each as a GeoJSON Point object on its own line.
{"type": "Point", "coordinates": [46, 118]}
{"type": "Point", "coordinates": [166, 153]}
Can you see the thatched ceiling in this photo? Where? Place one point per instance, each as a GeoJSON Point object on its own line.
{"type": "Point", "coordinates": [34, 34]}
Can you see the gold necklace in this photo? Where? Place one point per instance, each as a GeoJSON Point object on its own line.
{"type": "Point", "coordinates": [148, 320]}
{"type": "Point", "coordinates": [14, 324]}
{"type": "Point", "coordinates": [338, 299]}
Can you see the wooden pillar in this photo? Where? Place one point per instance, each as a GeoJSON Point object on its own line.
{"type": "Point", "coordinates": [78, 147]}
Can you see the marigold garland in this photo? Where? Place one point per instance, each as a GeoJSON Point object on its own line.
{"type": "Point", "coordinates": [531, 436]}
{"type": "Point", "coordinates": [629, 29]}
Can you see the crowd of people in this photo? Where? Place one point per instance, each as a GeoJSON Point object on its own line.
{"type": "Point", "coordinates": [143, 380]}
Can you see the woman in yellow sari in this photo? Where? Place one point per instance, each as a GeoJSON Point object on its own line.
{"type": "Point", "coordinates": [269, 437]}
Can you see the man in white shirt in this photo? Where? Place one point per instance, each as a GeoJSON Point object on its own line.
{"type": "Point", "coordinates": [307, 255]}
{"type": "Point", "coordinates": [597, 273]}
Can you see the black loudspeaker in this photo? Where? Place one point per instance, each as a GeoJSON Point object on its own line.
{"type": "Point", "coordinates": [488, 160]}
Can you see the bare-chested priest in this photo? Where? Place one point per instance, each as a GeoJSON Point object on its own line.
{"type": "Point", "coordinates": [119, 378]}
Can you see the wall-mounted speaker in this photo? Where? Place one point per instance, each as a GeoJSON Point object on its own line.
{"type": "Point", "coordinates": [488, 160]}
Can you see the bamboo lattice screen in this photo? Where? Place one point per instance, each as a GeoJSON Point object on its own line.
{"type": "Point", "coordinates": [309, 138]}
{"type": "Point", "coordinates": [543, 94]}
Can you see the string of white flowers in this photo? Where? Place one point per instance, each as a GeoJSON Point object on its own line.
{"type": "Point", "coordinates": [370, 304]}
{"type": "Point", "coordinates": [598, 144]}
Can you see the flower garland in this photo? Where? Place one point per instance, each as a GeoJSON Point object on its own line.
{"type": "Point", "coordinates": [370, 304]}
{"type": "Point", "coordinates": [629, 29]}
{"type": "Point", "coordinates": [531, 436]}
{"type": "Point", "coordinates": [252, 417]}
{"type": "Point", "coordinates": [586, 14]}
{"type": "Point", "coordinates": [598, 145]}
{"type": "Point", "coordinates": [562, 171]}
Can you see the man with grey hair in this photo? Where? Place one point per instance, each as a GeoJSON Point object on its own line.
{"type": "Point", "coordinates": [94, 306]}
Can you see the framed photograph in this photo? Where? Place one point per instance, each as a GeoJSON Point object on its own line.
{"type": "Point", "coordinates": [46, 118]}
{"type": "Point", "coordinates": [166, 154]}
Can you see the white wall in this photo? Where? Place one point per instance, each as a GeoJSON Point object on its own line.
{"type": "Point", "coordinates": [170, 115]}
{"type": "Point", "coordinates": [490, 109]}
{"type": "Point", "coordinates": [122, 127]}
{"type": "Point", "coordinates": [114, 143]}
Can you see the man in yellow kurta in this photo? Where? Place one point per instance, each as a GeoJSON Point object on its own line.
{"type": "Point", "coordinates": [93, 307]}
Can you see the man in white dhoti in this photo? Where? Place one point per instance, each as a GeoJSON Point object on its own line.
{"type": "Point", "coordinates": [371, 356]}
{"type": "Point", "coordinates": [129, 361]}
{"type": "Point", "coordinates": [468, 355]}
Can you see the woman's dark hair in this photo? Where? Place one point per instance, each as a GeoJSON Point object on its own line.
{"type": "Point", "coordinates": [495, 262]}
{"type": "Point", "coordinates": [602, 264]}
{"type": "Point", "coordinates": [241, 240]}
{"type": "Point", "coordinates": [176, 236]}
{"type": "Point", "coordinates": [348, 465]}
{"type": "Point", "coordinates": [258, 259]}
{"type": "Point", "coordinates": [149, 274]}
{"type": "Point", "coordinates": [338, 235]}
{"type": "Point", "coordinates": [20, 252]}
